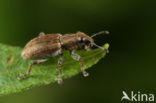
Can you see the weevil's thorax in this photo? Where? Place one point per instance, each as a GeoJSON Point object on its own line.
{"type": "Point", "coordinates": [74, 41]}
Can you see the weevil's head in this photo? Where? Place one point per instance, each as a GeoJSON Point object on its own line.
{"type": "Point", "coordinates": [88, 41]}
{"type": "Point", "coordinates": [84, 39]}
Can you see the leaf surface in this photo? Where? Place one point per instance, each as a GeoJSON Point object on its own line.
{"type": "Point", "coordinates": [12, 65]}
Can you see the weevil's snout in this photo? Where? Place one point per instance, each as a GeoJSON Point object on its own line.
{"type": "Point", "coordinates": [91, 41]}
{"type": "Point", "coordinates": [106, 50]}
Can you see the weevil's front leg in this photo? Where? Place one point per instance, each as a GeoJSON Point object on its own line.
{"type": "Point", "coordinates": [78, 58]}
{"type": "Point", "coordinates": [60, 61]}
{"type": "Point", "coordinates": [30, 68]}
{"type": "Point", "coordinates": [87, 48]}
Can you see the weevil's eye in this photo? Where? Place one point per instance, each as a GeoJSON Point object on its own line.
{"type": "Point", "coordinates": [81, 39]}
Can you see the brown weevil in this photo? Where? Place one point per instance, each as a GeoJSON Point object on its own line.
{"type": "Point", "coordinates": [44, 46]}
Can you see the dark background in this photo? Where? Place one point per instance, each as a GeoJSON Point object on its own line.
{"type": "Point", "coordinates": [130, 65]}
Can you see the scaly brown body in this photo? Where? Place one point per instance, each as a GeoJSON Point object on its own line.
{"type": "Point", "coordinates": [46, 46]}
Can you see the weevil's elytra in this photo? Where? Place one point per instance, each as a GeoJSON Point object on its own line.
{"type": "Point", "coordinates": [44, 46]}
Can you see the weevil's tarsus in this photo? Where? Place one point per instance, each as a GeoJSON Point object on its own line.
{"type": "Point", "coordinates": [41, 33]}
{"type": "Point", "coordinates": [78, 58]}
{"type": "Point", "coordinates": [106, 50]}
{"type": "Point", "coordinates": [99, 33]}
{"type": "Point", "coordinates": [30, 68]}
{"type": "Point", "coordinates": [60, 61]}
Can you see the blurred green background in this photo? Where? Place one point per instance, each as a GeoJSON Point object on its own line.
{"type": "Point", "coordinates": [130, 65]}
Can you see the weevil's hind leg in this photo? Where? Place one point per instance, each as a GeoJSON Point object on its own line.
{"type": "Point", "coordinates": [41, 33]}
{"type": "Point", "coordinates": [60, 61]}
{"type": "Point", "coordinates": [30, 68]}
{"type": "Point", "coordinates": [78, 58]}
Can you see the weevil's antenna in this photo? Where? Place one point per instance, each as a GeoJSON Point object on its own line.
{"type": "Point", "coordinates": [106, 50]}
{"type": "Point", "coordinates": [99, 33]}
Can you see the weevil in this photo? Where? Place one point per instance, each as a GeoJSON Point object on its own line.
{"type": "Point", "coordinates": [46, 46]}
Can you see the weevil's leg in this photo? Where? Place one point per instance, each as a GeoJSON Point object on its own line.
{"type": "Point", "coordinates": [30, 68]}
{"type": "Point", "coordinates": [41, 33]}
{"type": "Point", "coordinates": [78, 58]}
{"type": "Point", "coordinates": [60, 61]}
{"type": "Point", "coordinates": [87, 48]}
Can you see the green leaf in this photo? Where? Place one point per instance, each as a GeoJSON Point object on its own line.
{"type": "Point", "coordinates": [12, 65]}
